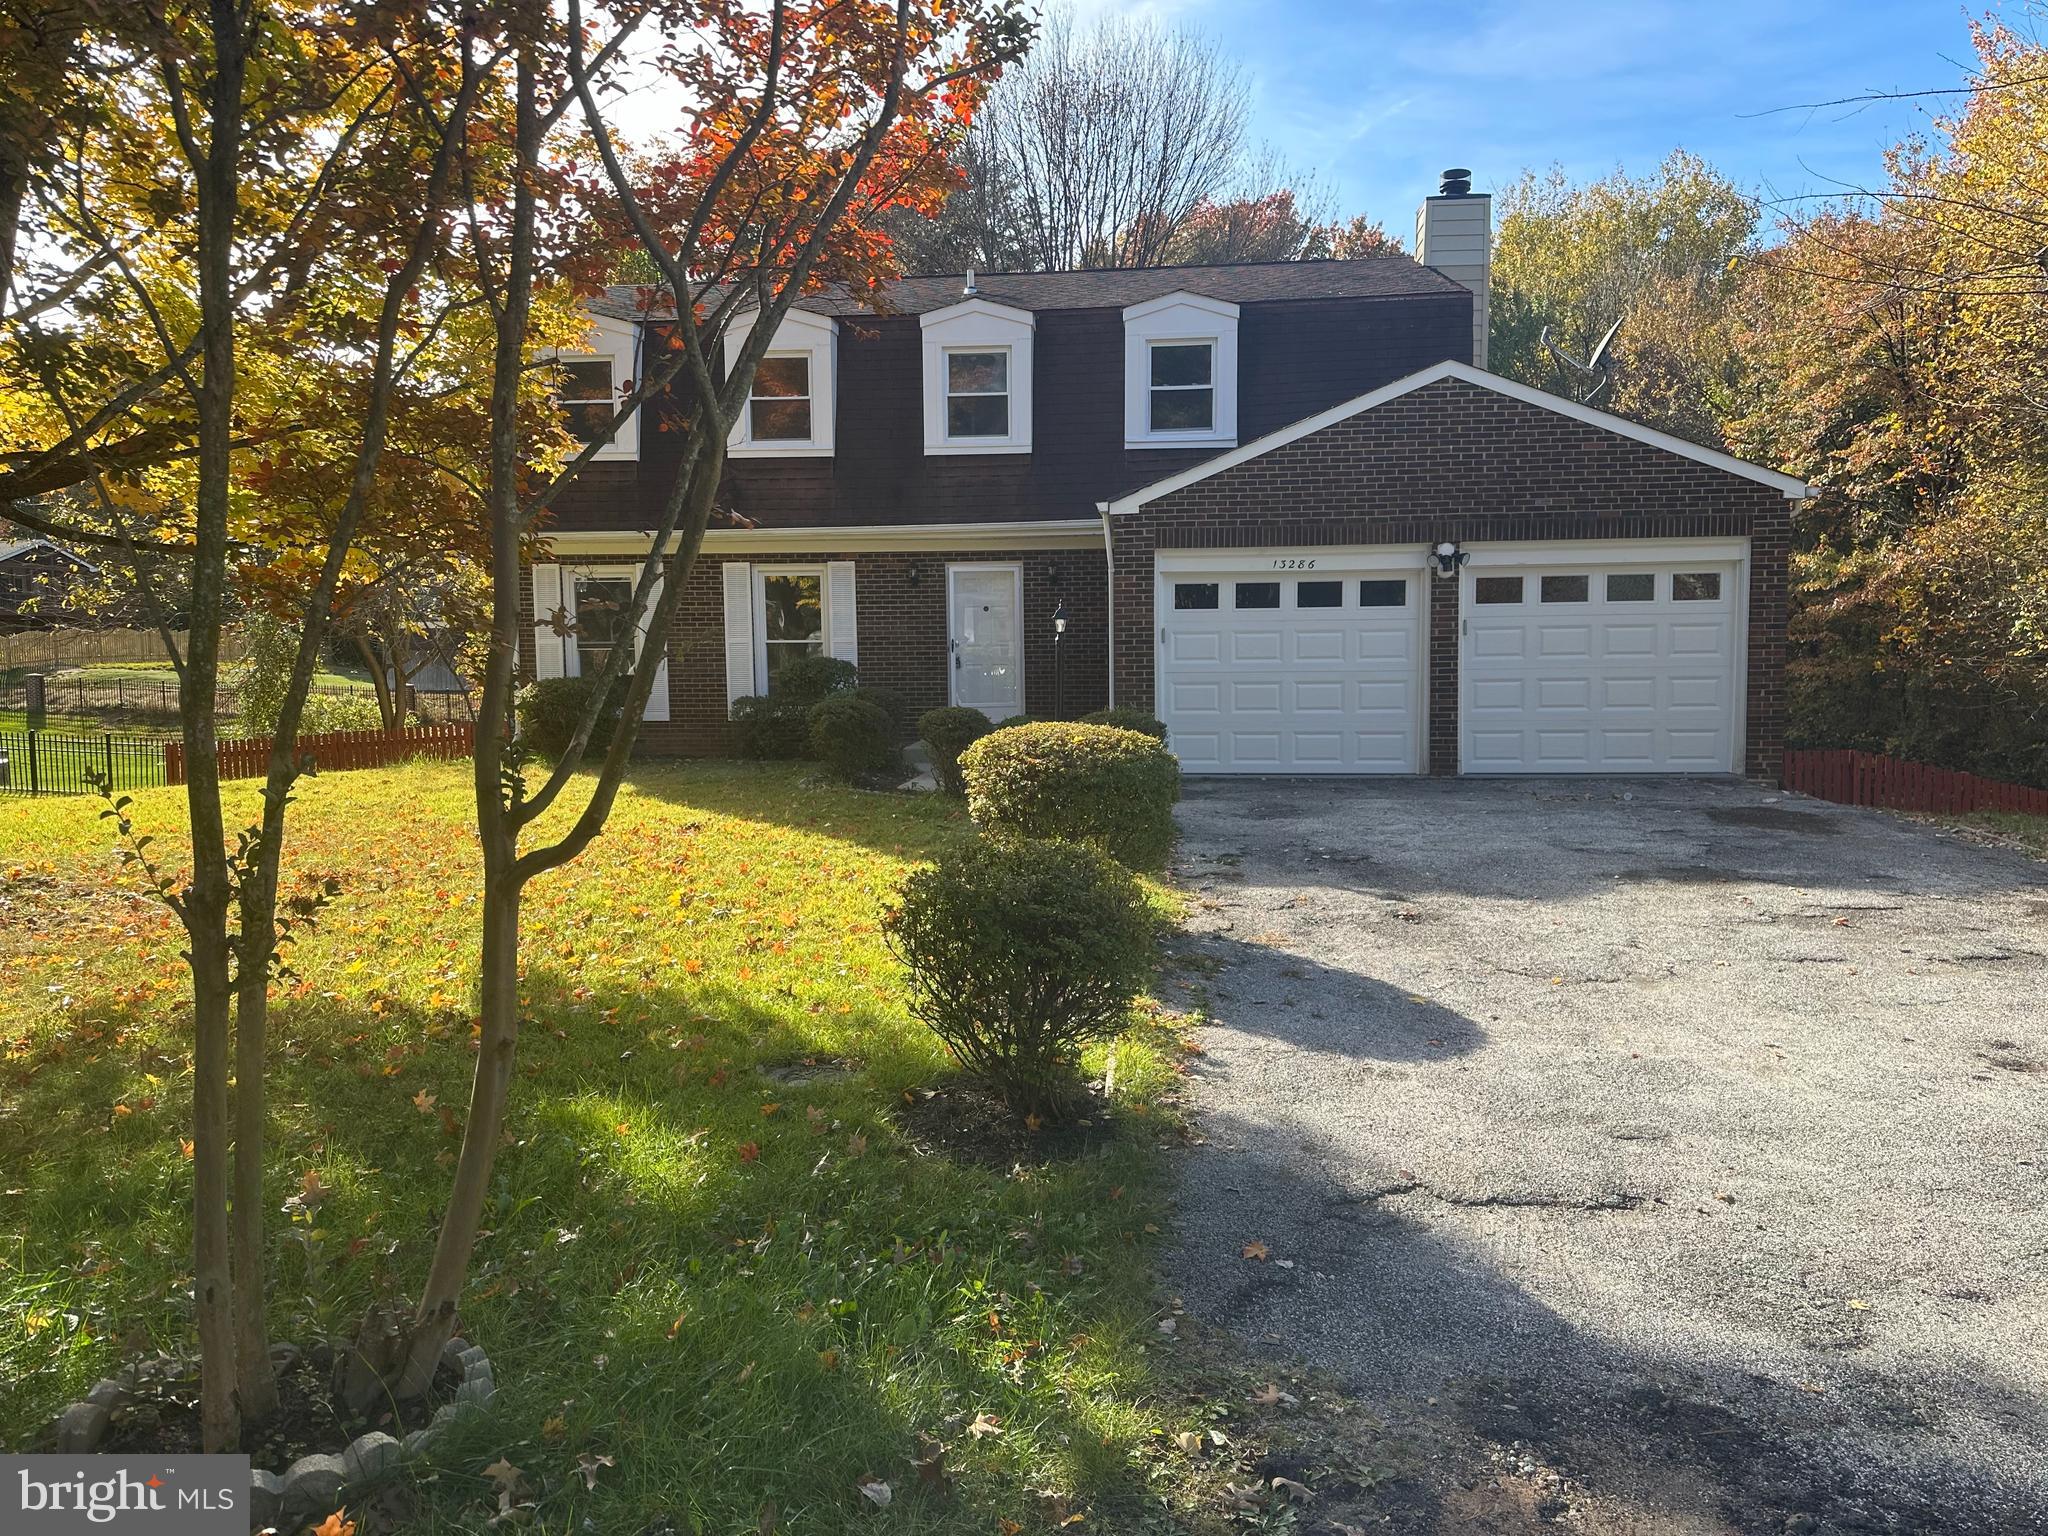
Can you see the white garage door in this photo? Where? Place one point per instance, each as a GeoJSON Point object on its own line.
{"type": "Point", "coordinates": [1261, 672]}
{"type": "Point", "coordinates": [1600, 668]}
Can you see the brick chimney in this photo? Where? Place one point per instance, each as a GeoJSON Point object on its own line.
{"type": "Point", "coordinates": [1454, 234]}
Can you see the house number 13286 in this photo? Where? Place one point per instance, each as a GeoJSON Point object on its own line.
{"type": "Point", "coordinates": [1294, 565]}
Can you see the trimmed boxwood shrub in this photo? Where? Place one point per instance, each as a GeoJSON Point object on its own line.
{"type": "Point", "coordinates": [807, 679]}
{"type": "Point", "coordinates": [771, 727]}
{"type": "Point", "coordinates": [1019, 954]}
{"type": "Point", "coordinates": [948, 732]}
{"type": "Point", "coordinates": [1089, 783]}
{"type": "Point", "coordinates": [890, 703]}
{"type": "Point", "coordinates": [550, 708]}
{"type": "Point", "coordinates": [853, 737]}
{"type": "Point", "coordinates": [1128, 720]}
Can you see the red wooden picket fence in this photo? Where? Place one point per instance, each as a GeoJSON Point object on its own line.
{"type": "Point", "coordinates": [1870, 778]}
{"type": "Point", "coordinates": [249, 757]}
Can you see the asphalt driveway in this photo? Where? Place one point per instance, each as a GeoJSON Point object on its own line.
{"type": "Point", "coordinates": [1678, 1149]}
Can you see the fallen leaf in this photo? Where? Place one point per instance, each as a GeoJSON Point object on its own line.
{"type": "Point", "coordinates": [503, 1473]}
{"type": "Point", "coordinates": [750, 1151]}
{"type": "Point", "coordinates": [1297, 1493]}
{"type": "Point", "coordinates": [828, 1359]}
{"type": "Point", "coordinates": [985, 1425]}
{"type": "Point", "coordinates": [876, 1492]}
{"type": "Point", "coordinates": [1256, 1250]}
{"type": "Point", "coordinates": [856, 1144]}
{"type": "Point", "coordinates": [1188, 1441]}
{"type": "Point", "coordinates": [588, 1464]}
{"type": "Point", "coordinates": [556, 1428]}
{"type": "Point", "coordinates": [1859, 1305]}
{"type": "Point", "coordinates": [423, 1101]}
{"type": "Point", "coordinates": [1270, 1396]}
{"type": "Point", "coordinates": [335, 1525]}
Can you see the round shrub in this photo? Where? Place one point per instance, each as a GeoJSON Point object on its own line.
{"type": "Point", "coordinates": [1128, 720]}
{"type": "Point", "coordinates": [550, 709]}
{"type": "Point", "coordinates": [770, 728]}
{"type": "Point", "coordinates": [1009, 720]}
{"type": "Point", "coordinates": [948, 732]}
{"type": "Point", "coordinates": [1088, 783]}
{"type": "Point", "coordinates": [890, 703]}
{"type": "Point", "coordinates": [853, 737]}
{"type": "Point", "coordinates": [1019, 954]}
{"type": "Point", "coordinates": [807, 679]}
{"type": "Point", "coordinates": [326, 712]}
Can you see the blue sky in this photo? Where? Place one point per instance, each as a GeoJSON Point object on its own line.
{"type": "Point", "coordinates": [1378, 95]}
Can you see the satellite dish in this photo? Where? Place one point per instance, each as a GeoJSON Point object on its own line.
{"type": "Point", "coordinates": [1596, 371]}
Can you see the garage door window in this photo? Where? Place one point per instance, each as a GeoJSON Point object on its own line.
{"type": "Point", "coordinates": [1319, 594]}
{"type": "Point", "coordinates": [1383, 594]}
{"type": "Point", "coordinates": [1695, 586]}
{"type": "Point", "coordinates": [1194, 594]}
{"type": "Point", "coordinates": [1632, 587]}
{"type": "Point", "coordinates": [1258, 594]}
{"type": "Point", "coordinates": [1498, 589]}
{"type": "Point", "coordinates": [1565, 589]}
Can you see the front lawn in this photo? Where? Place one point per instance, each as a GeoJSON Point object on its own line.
{"type": "Point", "coordinates": [714, 1256]}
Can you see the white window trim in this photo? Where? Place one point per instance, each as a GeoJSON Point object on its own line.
{"type": "Point", "coordinates": [616, 342]}
{"type": "Point", "coordinates": [761, 573]}
{"type": "Point", "coordinates": [1180, 318]}
{"type": "Point", "coordinates": [572, 654]}
{"type": "Point", "coordinates": [801, 334]}
{"type": "Point", "coordinates": [977, 325]}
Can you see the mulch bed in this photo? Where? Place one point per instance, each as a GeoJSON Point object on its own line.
{"type": "Point", "coordinates": [958, 1119]}
{"type": "Point", "coordinates": [164, 1418]}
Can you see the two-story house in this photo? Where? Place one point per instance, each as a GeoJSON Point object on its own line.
{"type": "Point", "coordinates": [1280, 505]}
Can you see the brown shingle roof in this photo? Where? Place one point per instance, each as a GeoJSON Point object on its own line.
{"type": "Point", "coordinates": [1114, 288]}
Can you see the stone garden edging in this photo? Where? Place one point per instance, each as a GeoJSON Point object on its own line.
{"type": "Point", "coordinates": [312, 1485]}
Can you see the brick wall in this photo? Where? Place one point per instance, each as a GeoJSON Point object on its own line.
{"type": "Point", "coordinates": [1456, 461]}
{"type": "Point", "coordinates": [900, 606]}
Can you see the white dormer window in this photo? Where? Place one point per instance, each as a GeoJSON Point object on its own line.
{"type": "Point", "coordinates": [792, 404]}
{"type": "Point", "coordinates": [977, 378]}
{"type": "Point", "coordinates": [977, 394]}
{"type": "Point", "coordinates": [591, 383]}
{"type": "Point", "coordinates": [1180, 373]}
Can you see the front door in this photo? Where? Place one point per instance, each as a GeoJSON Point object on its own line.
{"type": "Point", "coordinates": [986, 637]}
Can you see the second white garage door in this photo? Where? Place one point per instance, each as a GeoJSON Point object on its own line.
{"type": "Point", "coordinates": [1317, 672]}
{"type": "Point", "coordinates": [1604, 667]}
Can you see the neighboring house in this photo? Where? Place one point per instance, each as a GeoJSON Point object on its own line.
{"type": "Point", "coordinates": [35, 583]}
{"type": "Point", "coordinates": [1231, 481]}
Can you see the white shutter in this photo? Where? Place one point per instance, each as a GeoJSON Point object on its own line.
{"type": "Point", "coordinates": [739, 629]}
{"type": "Point", "coordinates": [547, 641]}
{"type": "Point", "coordinates": [657, 700]}
{"type": "Point", "coordinates": [844, 640]}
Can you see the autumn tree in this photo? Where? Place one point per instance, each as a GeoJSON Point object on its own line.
{"type": "Point", "coordinates": [802, 123]}
{"type": "Point", "coordinates": [233, 325]}
{"type": "Point", "coordinates": [1654, 254]}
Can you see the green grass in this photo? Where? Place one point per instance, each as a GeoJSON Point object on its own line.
{"type": "Point", "coordinates": [742, 1290]}
{"type": "Point", "coordinates": [2030, 832]}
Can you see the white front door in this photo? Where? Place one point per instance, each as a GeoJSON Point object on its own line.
{"type": "Point", "coordinates": [1609, 666]}
{"type": "Point", "coordinates": [985, 604]}
{"type": "Point", "coordinates": [1270, 669]}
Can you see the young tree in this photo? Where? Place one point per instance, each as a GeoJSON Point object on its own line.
{"type": "Point", "coordinates": [232, 314]}
{"type": "Point", "coordinates": [806, 121]}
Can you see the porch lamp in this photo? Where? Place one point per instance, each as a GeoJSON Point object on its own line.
{"type": "Point", "coordinates": [1448, 558]}
{"type": "Point", "coordinates": [1059, 633]}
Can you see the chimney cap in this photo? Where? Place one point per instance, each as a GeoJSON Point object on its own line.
{"type": "Point", "coordinates": [1455, 182]}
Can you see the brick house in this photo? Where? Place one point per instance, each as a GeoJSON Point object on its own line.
{"type": "Point", "coordinates": [1281, 505]}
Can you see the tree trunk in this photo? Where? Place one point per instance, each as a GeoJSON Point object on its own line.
{"type": "Point", "coordinates": [434, 1323]}
{"type": "Point", "coordinates": [258, 904]}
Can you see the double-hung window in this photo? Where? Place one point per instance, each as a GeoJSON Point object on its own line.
{"type": "Point", "coordinates": [789, 610]}
{"type": "Point", "coordinates": [779, 405]}
{"type": "Point", "coordinates": [584, 392]}
{"type": "Point", "coordinates": [977, 393]}
{"type": "Point", "coordinates": [1183, 386]}
{"type": "Point", "coordinates": [602, 603]}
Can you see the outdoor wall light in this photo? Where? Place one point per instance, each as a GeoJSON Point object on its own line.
{"type": "Point", "coordinates": [1448, 558]}
{"type": "Point", "coordinates": [1059, 619]}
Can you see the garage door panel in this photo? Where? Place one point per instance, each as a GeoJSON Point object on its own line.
{"type": "Point", "coordinates": [1293, 689]}
{"type": "Point", "coordinates": [1496, 641]}
{"type": "Point", "coordinates": [1641, 685]}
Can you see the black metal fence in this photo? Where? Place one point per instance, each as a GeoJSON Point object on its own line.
{"type": "Point", "coordinates": [62, 762]}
